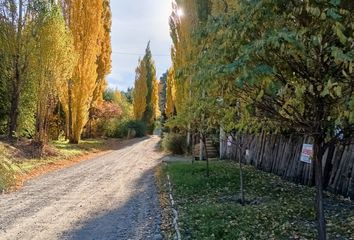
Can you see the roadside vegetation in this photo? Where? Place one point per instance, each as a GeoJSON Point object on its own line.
{"type": "Point", "coordinates": [264, 67]}
{"type": "Point", "coordinates": [174, 143]}
{"type": "Point", "coordinates": [17, 162]}
{"type": "Point", "coordinates": [209, 208]}
{"type": "Point", "coordinates": [7, 172]}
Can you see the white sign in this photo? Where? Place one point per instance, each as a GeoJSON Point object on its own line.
{"type": "Point", "coordinates": [306, 153]}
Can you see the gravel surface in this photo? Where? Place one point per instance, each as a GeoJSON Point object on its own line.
{"type": "Point", "coordinates": [108, 197]}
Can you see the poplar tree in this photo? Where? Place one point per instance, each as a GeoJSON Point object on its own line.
{"type": "Point", "coordinates": [6, 51]}
{"type": "Point", "coordinates": [150, 110]}
{"type": "Point", "coordinates": [162, 93]}
{"type": "Point", "coordinates": [184, 48]}
{"type": "Point", "coordinates": [155, 100]}
{"type": "Point", "coordinates": [140, 91]}
{"type": "Point", "coordinates": [86, 20]}
{"type": "Point", "coordinates": [104, 62]}
{"type": "Point", "coordinates": [14, 18]}
{"type": "Point", "coordinates": [146, 91]}
{"type": "Point", "coordinates": [51, 64]}
{"type": "Point", "coordinates": [170, 93]}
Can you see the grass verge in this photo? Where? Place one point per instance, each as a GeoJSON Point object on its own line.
{"type": "Point", "coordinates": [16, 165]}
{"type": "Point", "coordinates": [7, 171]}
{"type": "Point", "coordinates": [166, 210]}
{"type": "Point", "coordinates": [208, 207]}
{"type": "Point", "coordinates": [63, 150]}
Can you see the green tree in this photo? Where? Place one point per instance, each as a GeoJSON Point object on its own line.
{"type": "Point", "coordinates": [51, 64]}
{"type": "Point", "coordinates": [140, 91]}
{"type": "Point", "coordinates": [150, 113]}
{"type": "Point", "coordinates": [89, 22]}
{"type": "Point", "coordinates": [145, 97]}
{"type": "Point", "coordinates": [170, 108]}
{"type": "Point", "coordinates": [162, 92]}
{"type": "Point", "coordinates": [292, 65]}
{"type": "Point", "coordinates": [6, 50]}
{"type": "Point", "coordinates": [129, 94]}
{"type": "Point", "coordinates": [15, 38]}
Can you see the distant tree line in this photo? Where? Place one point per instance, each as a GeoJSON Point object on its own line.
{"type": "Point", "coordinates": [54, 56]}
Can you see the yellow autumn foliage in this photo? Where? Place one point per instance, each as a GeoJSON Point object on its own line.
{"type": "Point", "coordinates": [155, 99]}
{"type": "Point", "coordinates": [89, 22]}
{"type": "Point", "coordinates": [140, 91]}
{"type": "Point", "coordinates": [170, 93]}
{"type": "Point", "coordinates": [184, 48]}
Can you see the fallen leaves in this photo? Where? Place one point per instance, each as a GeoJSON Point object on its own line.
{"type": "Point", "coordinates": [209, 209]}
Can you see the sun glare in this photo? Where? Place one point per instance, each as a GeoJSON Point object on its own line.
{"type": "Point", "coordinates": [180, 12]}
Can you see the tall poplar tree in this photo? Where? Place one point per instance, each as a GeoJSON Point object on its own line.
{"type": "Point", "coordinates": [87, 21]}
{"type": "Point", "coordinates": [140, 91]}
{"type": "Point", "coordinates": [146, 91]}
{"type": "Point", "coordinates": [104, 62]}
{"type": "Point", "coordinates": [15, 17]}
{"type": "Point", "coordinates": [184, 48]}
{"type": "Point", "coordinates": [6, 55]}
{"type": "Point", "coordinates": [162, 93]}
{"type": "Point", "coordinates": [51, 64]}
{"type": "Point", "coordinates": [170, 93]}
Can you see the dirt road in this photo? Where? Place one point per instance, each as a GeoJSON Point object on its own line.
{"type": "Point", "coordinates": [108, 197]}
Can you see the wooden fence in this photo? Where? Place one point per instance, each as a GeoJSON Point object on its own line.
{"type": "Point", "coordinates": [281, 155]}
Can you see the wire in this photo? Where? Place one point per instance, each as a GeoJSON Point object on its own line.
{"type": "Point", "coordinates": [139, 54]}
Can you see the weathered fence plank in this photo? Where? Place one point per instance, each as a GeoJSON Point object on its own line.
{"type": "Point", "coordinates": [280, 155]}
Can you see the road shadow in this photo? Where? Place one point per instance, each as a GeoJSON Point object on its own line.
{"type": "Point", "coordinates": [139, 217]}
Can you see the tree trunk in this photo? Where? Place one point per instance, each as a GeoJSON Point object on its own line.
{"type": "Point", "coordinates": [73, 140]}
{"type": "Point", "coordinates": [242, 192]}
{"type": "Point", "coordinates": [45, 107]}
{"type": "Point", "coordinates": [70, 113]}
{"type": "Point", "coordinates": [189, 145]}
{"type": "Point", "coordinates": [328, 166]}
{"type": "Point", "coordinates": [75, 137]}
{"type": "Point", "coordinates": [201, 147]}
{"type": "Point", "coordinates": [222, 146]}
{"type": "Point", "coordinates": [16, 84]}
{"type": "Point", "coordinates": [317, 157]}
{"type": "Point", "coordinates": [66, 128]}
{"type": "Point", "coordinates": [14, 111]}
{"type": "Point", "coordinates": [90, 129]}
{"type": "Point", "coordinates": [206, 155]}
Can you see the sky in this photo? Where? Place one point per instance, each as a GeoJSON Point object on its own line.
{"type": "Point", "coordinates": [134, 23]}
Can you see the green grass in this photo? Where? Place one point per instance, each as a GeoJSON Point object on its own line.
{"type": "Point", "coordinates": [208, 207]}
{"type": "Point", "coordinates": [7, 171]}
{"type": "Point", "coordinates": [84, 146]}
{"type": "Point", "coordinates": [64, 151]}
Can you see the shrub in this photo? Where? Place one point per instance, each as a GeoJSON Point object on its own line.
{"type": "Point", "coordinates": [121, 129]}
{"type": "Point", "coordinates": [174, 143]}
{"type": "Point", "coordinates": [139, 127]}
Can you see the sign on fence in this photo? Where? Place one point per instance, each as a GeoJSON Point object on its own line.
{"type": "Point", "coordinates": [306, 153]}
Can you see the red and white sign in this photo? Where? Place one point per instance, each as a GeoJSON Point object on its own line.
{"type": "Point", "coordinates": [306, 153]}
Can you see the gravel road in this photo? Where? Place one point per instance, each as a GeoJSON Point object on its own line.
{"type": "Point", "coordinates": [108, 197]}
